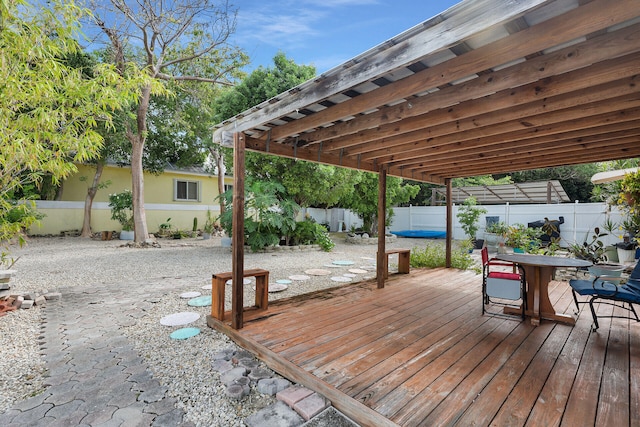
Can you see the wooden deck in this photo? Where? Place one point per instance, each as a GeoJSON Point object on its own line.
{"type": "Point", "coordinates": [419, 353]}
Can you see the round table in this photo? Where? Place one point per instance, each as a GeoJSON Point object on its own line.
{"type": "Point", "coordinates": [539, 271]}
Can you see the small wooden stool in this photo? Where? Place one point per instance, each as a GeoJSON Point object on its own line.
{"type": "Point", "coordinates": [404, 258]}
{"type": "Point", "coordinates": [218, 286]}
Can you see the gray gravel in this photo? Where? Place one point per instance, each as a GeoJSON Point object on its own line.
{"type": "Point", "coordinates": [183, 366]}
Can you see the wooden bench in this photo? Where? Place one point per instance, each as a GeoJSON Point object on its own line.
{"type": "Point", "coordinates": [218, 286]}
{"type": "Point", "coordinates": [404, 258]}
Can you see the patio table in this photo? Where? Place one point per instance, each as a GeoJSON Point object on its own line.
{"type": "Point", "coordinates": [539, 272]}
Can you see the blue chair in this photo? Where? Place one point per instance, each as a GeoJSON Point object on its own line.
{"type": "Point", "coordinates": [601, 288]}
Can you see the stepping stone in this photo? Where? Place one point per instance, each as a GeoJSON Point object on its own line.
{"type": "Point", "coordinates": [184, 333]}
{"type": "Point", "coordinates": [178, 319]}
{"type": "Point", "coordinates": [200, 301]}
{"type": "Point", "coordinates": [244, 281]}
{"type": "Point", "coordinates": [283, 281]}
{"type": "Point", "coordinates": [358, 271]}
{"type": "Point", "coordinates": [340, 279]}
{"type": "Point", "coordinates": [187, 295]}
{"type": "Point", "coordinates": [299, 277]}
{"type": "Point", "coordinates": [343, 262]}
{"type": "Point", "coordinates": [277, 287]}
{"type": "Point", "coordinates": [207, 287]}
{"type": "Point", "coordinates": [332, 266]}
{"type": "Point", "coordinates": [317, 272]}
{"type": "Point", "coordinates": [349, 275]}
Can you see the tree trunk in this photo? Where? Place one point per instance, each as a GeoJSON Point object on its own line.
{"type": "Point", "coordinates": [221, 172]}
{"type": "Point", "coordinates": [88, 201]}
{"type": "Point", "coordinates": [137, 173]}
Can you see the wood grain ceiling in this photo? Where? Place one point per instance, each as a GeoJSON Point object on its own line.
{"type": "Point", "coordinates": [487, 86]}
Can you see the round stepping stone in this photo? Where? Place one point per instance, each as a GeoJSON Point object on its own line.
{"type": "Point", "coordinates": [367, 258]}
{"type": "Point", "coordinates": [349, 275]}
{"type": "Point", "coordinates": [299, 277]}
{"type": "Point", "coordinates": [343, 262]}
{"type": "Point", "coordinates": [207, 287]}
{"type": "Point", "coordinates": [283, 281]}
{"type": "Point", "coordinates": [244, 281]}
{"type": "Point", "coordinates": [187, 295]}
{"type": "Point", "coordinates": [184, 333]}
{"type": "Point", "coordinates": [277, 287]}
{"type": "Point", "coordinates": [317, 272]}
{"type": "Point", "coordinates": [178, 319]}
{"type": "Point", "coordinates": [200, 301]}
{"type": "Point", "coordinates": [358, 270]}
{"type": "Point", "coordinates": [332, 266]}
{"type": "Point", "coordinates": [368, 267]}
{"type": "Point", "coordinates": [340, 279]}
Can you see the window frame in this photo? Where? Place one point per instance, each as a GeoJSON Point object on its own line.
{"type": "Point", "coordinates": [188, 182]}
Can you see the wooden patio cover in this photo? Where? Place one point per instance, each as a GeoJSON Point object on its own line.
{"type": "Point", "coordinates": [488, 86]}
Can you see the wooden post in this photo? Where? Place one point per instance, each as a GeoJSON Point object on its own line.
{"type": "Point", "coordinates": [382, 204]}
{"type": "Point", "coordinates": [449, 224]}
{"type": "Point", "coordinates": [237, 262]}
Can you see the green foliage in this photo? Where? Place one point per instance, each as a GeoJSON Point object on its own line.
{"type": "Point", "coordinates": [629, 203]}
{"type": "Point", "coordinates": [433, 255]}
{"type": "Point", "coordinates": [523, 237]}
{"type": "Point", "coordinates": [262, 84]}
{"type": "Point", "coordinates": [165, 228]}
{"type": "Point", "coordinates": [55, 105]}
{"type": "Point", "coordinates": [593, 250]}
{"type": "Point", "coordinates": [269, 214]}
{"type": "Point", "coordinates": [500, 228]}
{"type": "Point", "coordinates": [468, 216]}
{"type": "Point", "coordinates": [121, 205]}
{"type": "Point", "coordinates": [309, 232]}
{"type": "Point", "coordinates": [363, 201]}
{"type": "Point", "coordinates": [309, 184]}
{"type": "Point", "coordinates": [209, 223]}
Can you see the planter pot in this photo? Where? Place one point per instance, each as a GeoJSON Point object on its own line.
{"type": "Point", "coordinates": [127, 235]}
{"type": "Point", "coordinates": [612, 270]}
{"type": "Point", "coordinates": [206, 236]}
{"type": "Point", "coordinates": [612, 253]}
{"type": "Point", "coordinates": [225, 242]}
{"type": "Point", "coordinates": [518, 250]}
{"type": "Point", "coordinates": [626, 255]}
{"type": "Point", "coordinates": [478, 243]}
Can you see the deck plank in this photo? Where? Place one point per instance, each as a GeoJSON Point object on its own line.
{"type": "Point", "coordinates": [419, 352]}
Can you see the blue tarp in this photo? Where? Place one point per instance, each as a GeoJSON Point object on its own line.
{"type": "Point", "coordinates": [425, 234]}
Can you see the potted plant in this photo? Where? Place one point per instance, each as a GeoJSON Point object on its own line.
{"type": "Point", "coordinates": [522, 238]}
{"type": "Point", "coordinates": [495, 233]}
{"type": "Point", "coordinates": [121, 205]}
{"type": "Point", "coordinates": [629, 202]}
{"type": "Point", "coordinates": [209, 225]}
{"type": "Point", "coordinates": [611, 251]}
{"type": "Point", "coordinates": [595, 252]}
{"type": "Point", "coordinates": [468, 216]}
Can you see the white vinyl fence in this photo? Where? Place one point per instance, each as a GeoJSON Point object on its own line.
{"type": "Point", "coordinates": [579, 219]}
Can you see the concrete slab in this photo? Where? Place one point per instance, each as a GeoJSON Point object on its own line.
{"type": "Point", "coordinates": [275, 415]}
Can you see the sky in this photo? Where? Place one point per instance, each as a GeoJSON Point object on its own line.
{"type": "Point", "coordinates": [324, 33]}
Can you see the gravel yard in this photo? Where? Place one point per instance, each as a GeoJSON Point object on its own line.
{"type": "Point", "coordinates": [53, 264]}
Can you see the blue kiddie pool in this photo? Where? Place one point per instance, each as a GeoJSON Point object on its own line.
{"type": "Point", "coordinates": [424, 234]}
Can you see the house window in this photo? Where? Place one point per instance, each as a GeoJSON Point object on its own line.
{"type": "Point", "coordinates": [186, 190]}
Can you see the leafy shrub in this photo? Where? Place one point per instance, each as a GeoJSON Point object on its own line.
{"type": "Point", "coordinates": [433, 255]}
{"type": "Point", "coordinates": [309, 232]}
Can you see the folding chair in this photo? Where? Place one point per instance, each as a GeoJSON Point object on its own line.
{"type": "Point", "coordinates": [504, 286]}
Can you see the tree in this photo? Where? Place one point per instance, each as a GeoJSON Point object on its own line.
{"type": "Point", "coordinates": [309, 184]}
{"type": "Point", "coordinates": [50, 110]}
{"type": "Point", "coordinates": [183, 41]}
{"type": "Point", "coordinates": [364, 199]}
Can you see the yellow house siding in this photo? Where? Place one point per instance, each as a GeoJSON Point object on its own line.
{"type": "Point", "coordinates": [160, 205]}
